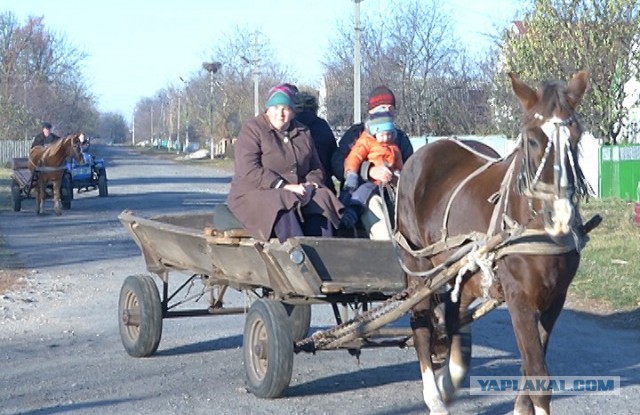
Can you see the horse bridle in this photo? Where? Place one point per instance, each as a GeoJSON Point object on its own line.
{"type": "Point", "coordinates": [558, 135]}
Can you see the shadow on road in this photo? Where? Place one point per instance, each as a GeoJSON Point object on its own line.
{"type": "Point", "coordinates": [574, 350]}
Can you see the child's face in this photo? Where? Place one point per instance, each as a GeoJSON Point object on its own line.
{"type": "Point", "coordinates": [384, 136]}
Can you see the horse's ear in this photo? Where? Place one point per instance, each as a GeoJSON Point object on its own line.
{"type": "Point", "coordinates": [527, 95]}
{"type": "Point", "coordinates": [577, 85]}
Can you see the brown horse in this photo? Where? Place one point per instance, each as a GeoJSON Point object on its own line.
{"type": "Point", "coordinates": [47, 166]}
{"type": "Point", "coordinates": [450, 195]}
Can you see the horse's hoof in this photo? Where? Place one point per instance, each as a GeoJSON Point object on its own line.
{"type": "Point", "coordinates": [58, 213]}
{"type": "Point", "coordinates": [445, 386]}
{"type": "Point", "coordinates": [437, 407]}
{"type": "Point", "coordinates": [438, 411]}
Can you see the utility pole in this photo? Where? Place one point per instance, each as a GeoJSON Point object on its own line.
{"type": "Point", "coordinates": [256, 76]}
{"type": "Point", "coordinates": [186, 115]}
{"type": "Point", "coordinates": [255, 66]}
{"type": "Point", "coordinates": [357, 112]}
{"type": "Point", "coordinates": [211, 67]}
{"type": "Point", "coordinates": [178, 122]}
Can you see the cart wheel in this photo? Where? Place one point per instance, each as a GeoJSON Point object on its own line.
{"type": "Point", "coordinates": [140, 315]}
{"type": "Point", "coordinates": [16, 196]}
{"type": "Point", "coordinates": [267, 349]}
{"type": "Point", "coordinates": [103, 190]}
{"type": "Point", "coordinates": [300, 319]}
{"type": "Point", "coordinates": [66, 191]}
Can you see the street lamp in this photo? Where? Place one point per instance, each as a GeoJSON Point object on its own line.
{"type": "Point", "coordinates": [256, 83]}
{"type": "Point", "coordinates": [357, 112]}
{"type": "Point", "coordinates": [211, 67]}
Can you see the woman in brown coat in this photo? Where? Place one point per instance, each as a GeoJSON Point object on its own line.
{"type": "Point", "coordinates": [277, 189]}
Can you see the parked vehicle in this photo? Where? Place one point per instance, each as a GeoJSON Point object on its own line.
{"type": "Point", "coordinates": [22, 182]}
{"type": "Point", "coordinates": [89, 175]}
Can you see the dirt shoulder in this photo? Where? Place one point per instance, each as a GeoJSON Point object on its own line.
{"type": "Point", "coordinates": [603, 311]}
{"type": "Point", "coordinates": [11, 270]}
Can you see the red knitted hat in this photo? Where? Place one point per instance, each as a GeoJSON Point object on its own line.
{"type": "Point", "coordinates": [381, 95]}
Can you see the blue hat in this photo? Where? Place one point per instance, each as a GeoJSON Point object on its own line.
{"type": "Point", "coordinates": [280, 95]}
{"type": "Point", "coordinates": [380, 122]}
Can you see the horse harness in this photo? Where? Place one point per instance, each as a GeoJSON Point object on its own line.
{"type": "Point", "coordinates": [41, 168]}
{"type": "Point", "coordinates": [520, 239]}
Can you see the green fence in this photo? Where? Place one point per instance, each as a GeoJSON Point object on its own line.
{"type": "Point", "coordinates": [620, 171]}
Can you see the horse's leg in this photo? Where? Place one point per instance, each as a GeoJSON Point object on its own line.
{"type": "Point", "coordinates": [56, 196]}
{"type": "Point", "coordinates": [548, 320]}
{"type": "Point", "coordinates": [422, 331]}
{"type": "Point", "coordinates": [40, 195]}
{"type": "Point", "coordinates": [525, 326]}
{"type": "Point", "coordinates": [459, 359]}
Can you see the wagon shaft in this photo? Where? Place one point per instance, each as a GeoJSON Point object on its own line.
{"type": "Point", "coordinates": [395, 307]}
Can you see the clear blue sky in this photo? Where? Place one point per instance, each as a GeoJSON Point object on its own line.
{"type": "Point", "coordinates": [137, 47]}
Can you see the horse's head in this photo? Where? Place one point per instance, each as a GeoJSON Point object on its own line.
{"type": "Point", "coordinates": [549, 149]}
{"type": "Point", "coordinates": [77, 142]}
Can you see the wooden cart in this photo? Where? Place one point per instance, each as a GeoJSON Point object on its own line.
{"type": "Point", "coordinates": [287, 278]}
{"type": "Point", "coordinates": [23, 183]}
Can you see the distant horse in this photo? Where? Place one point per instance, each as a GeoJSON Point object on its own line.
{"type": "Point", "coordinates": [450, 195]}
{"type": "Point", "coordinates": [47, 164]}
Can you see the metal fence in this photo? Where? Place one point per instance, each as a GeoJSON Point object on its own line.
{"type": "Point", "coordinates": [620, 172]}
{"type": "Point", "coordinates": [10, 149]}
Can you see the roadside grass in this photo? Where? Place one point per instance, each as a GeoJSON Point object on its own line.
{"type": "Point", "coordinates": [609, 271]}
{"type": "Point", "coordinates": [5, 189]}
{"type": "Point", "coordinates": [610, 265]}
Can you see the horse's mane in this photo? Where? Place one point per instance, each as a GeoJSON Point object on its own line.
{"type": "Point", "coordinates": [554, 99]}
{"type": "Point", "coordinates": [55, 146]}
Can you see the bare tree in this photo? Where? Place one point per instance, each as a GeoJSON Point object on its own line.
{"type": "Point", "coordinates": [41, 79]}
{"type": "Point", "coordinates": [411, 48]}
{"type": "Point", "coordinates": [228, 93]}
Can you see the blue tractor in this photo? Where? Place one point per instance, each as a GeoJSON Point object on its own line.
{"type": "Point", "coordinates": [89, 175]}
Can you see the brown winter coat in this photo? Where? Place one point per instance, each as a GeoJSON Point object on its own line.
{"type": "Point", "coordinates": [264, 156]}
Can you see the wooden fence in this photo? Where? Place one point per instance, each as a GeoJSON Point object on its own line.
{"type": "Point", "coordinates": [10, 149]}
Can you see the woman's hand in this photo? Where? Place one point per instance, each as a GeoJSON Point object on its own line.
{"type": "Point", "coordinates": [305, 191]}
{"type": "Point", "coordinates": [381, 174]}
{"type": "Point", "coordinates": [298, 189]}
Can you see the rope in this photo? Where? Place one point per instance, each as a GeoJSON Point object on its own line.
{"type": "Point", "coordinates": [476, 260]}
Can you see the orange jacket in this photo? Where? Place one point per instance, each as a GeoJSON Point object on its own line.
{"type": "Point", "coordinates": [378, 154]}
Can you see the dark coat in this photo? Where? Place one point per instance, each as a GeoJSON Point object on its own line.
{"type": "Point", "coordinates": [324, 141]}
{"type": "Point", "coordinates": [348, 140]}
{"type": "Point", "coordinates": [41, 140]}
{"type": "Point", "coordinates": [265, 160]}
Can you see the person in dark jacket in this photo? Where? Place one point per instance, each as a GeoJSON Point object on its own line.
{"type": "Point", "coordinates": [278, 185]}
{"type": "Point", "coordinates": [381, 99]}
{"type": "Point", "coordinates": [45, 138]}
{"type": "Point", "coordinates": [323, 138]}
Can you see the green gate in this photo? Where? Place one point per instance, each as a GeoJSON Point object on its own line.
{"type": "Point", "coordinates": [619, 171]}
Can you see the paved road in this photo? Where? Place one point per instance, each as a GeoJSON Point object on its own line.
{"type": "Point", "coordinates": [61, 352]}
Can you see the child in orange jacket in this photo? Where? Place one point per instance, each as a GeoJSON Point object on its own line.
{"type": "Point", "coordinates": [377, 145]}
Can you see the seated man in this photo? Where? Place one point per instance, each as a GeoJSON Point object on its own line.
{"type": "Point", "coordinates": [380, 99]}
{"type": "Point", "coordinates": [45, 138]}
